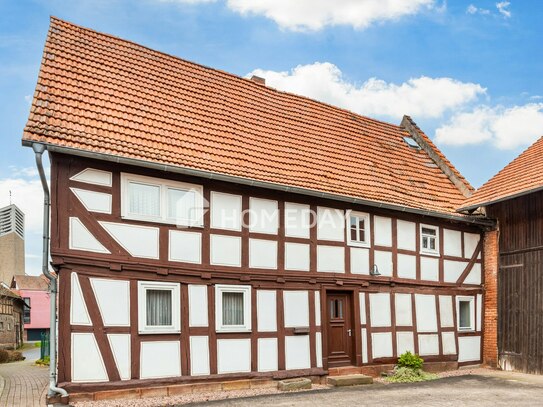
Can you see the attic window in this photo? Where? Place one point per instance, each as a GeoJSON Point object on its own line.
{"type": "Point", "coordinates": [411, 143]}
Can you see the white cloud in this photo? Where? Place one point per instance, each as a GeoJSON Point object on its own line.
{"type": "Point", "coordinates": [421, 97]}
{"type": "Point", "coordinates": [503, 7]}
{"type": "Point", "coordinates": [505, 128]}
{"type": "Point", "coordinates": [476, 10]}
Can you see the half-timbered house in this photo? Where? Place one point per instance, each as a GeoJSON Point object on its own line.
{"type": "Point", "coordinates": [514, 197]}
{"type": "Point", "coordinates": [209, 227]}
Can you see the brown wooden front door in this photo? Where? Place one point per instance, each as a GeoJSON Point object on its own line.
{"type": "Point", "coordinates": [340, 329]}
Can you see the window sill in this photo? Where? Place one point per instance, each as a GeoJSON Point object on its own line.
{"type": "Point", "coordinates": [233, 331]}
{"type": "Point", "coordinates": [358, 244]}
{"type": "Point", "coordinates": [195, 224]}
{"type": "Point", "coordinates": [429, 253]}
{"type": "Point", "coordinates": [159, 332]}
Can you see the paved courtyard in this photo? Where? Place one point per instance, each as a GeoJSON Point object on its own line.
{"type": "Point", "coordinates": [501, 389]}
{"type": "Point", "coordinates": [23, 384]}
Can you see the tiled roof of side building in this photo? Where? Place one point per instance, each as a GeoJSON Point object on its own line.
{"type": "Point", "coordinates": [101, 94]}
{"type": "Point", "coordinates": [521, 176]}
{"type": "Point", "coordinates": [39, 283]}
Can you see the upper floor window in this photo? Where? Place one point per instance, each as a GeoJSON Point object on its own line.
{"type": "Point", "coordinates": [466, 313]}
{"type": "Point", "coordinates": [358, 229]}
{"type": "Point", "coordinates": [157, 200]}
{"type": "Point", "coordinates": [429, 239]}
{"type": "Point", "coordinates": [26, 311]}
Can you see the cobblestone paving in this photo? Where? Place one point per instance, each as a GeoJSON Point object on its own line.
{"type": "Point", "coordinates": [23, 384]}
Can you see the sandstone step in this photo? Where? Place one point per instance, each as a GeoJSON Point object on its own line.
{"type": "Point", "coordinates": [294, 384]}
{"type": "Point", "coordinates": [344, 370]}
{"type": "Point", "coordinates": [349, 380]}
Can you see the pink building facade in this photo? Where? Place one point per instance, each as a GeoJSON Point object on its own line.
{"type": "Point", "coordinates": [34, 291]}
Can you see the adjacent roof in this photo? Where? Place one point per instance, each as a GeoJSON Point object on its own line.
{"type": "Point", "coordinates": [101, 94]}
{"type": "Point", "coordinates": [39, 283]}
{"type": "Point", "coordinates": [6, 292]}
{"type": "Point", "coordinates": [521, 176]}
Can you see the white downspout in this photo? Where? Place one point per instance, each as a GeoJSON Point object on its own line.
{"type": "Point", "coordinates": [38, 150]}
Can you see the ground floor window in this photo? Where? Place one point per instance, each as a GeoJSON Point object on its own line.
{"type": "Point", "coordinates": [233, 308]}
{"type": "Point", "coordinates": [159, 306]}
{"type": "Point", "coordinates": [466, 313]}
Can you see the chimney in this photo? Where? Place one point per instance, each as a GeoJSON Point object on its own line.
{"type": "Point", "coordinates": [259, 80]}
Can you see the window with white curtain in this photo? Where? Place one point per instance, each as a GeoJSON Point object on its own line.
{"type": "Point", "coordinates": [159, 200]}
{"type": "Point", "coordinates": [233, 308]}
{"type": "Point", "coordinates": [159, 307]}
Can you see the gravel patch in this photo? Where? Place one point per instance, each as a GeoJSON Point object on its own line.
{"type": "Point", "coordinates": [190, 398]}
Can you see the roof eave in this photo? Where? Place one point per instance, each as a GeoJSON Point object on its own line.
{"type": "Point", "coordinates": [252, 182]}
{"type": "Point", "coordinates": [498, 200]}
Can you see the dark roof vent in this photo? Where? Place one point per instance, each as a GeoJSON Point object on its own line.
{"type": "Point", "coordinates": [259, 80]}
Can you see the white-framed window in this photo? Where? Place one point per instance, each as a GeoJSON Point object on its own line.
{"type": "Point", "coordinates": [465, 311]}
{"type": "Point", "coordinates": [358, 229]}
{"type": "Point", "coordinates": [232, 308]}
{"type": "Point", "coordinates": [159, 307]}
{"type": "Point", "coordinates": [159, 200]}
{"type": "Point", "coordinates": [429, 239]}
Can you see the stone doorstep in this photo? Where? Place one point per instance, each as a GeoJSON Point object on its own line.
{"type": "Point", "coordinates": [349, 380]}
{"type": "Point", "coordinates": [173, 390]}
{"type": "Point", "coordinates": [298, 383]}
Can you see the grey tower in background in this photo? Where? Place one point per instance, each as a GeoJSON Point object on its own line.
{"type": "Point", "coordinates": [12, 243]}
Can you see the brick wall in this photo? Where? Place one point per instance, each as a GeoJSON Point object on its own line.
{"type": "Point", "coordinates": [490, 267]}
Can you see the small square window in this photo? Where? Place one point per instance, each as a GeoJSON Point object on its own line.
{"type": "Point", "coordinates": [466, 313]}
{"type": "Point", "coordinates": [233, 308]}
{"type": "Point", "coordinates": [429, 239]}
{"type": "Point", "coordinates": [358, 229]}
{"type": "Point", "coordinates": [159, 307]}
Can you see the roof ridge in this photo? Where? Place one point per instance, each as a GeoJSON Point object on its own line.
{"type": "Point", "coordinates": [221, 71]}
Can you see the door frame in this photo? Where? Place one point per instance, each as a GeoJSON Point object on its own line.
{"type": "Point", "coordinates": [355, 315]}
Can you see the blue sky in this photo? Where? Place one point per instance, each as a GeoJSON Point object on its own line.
{"type": "Point", "coordinates": [468, 72]}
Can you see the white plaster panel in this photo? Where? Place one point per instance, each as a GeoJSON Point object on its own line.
{"type": "Point", "coordinates": [425, 306]}
{"type": "Point", "coordinates": [296, 308]}
{"type": "Point", "coordinates": [428, 345]}
{"type": "Point", "coordinates": [263, 253]}
{"type": "Point", "coordinates": [405, 342]}
{"type": "Point", "coordinates": [382, 345]}
{"type": "Point", "coordinates": [382, 231]}
{"type": "Point", "coordinates": [407, 266]}
{"type": "Point", "coordinates": [331, 259]}
{"type": "Point", "coordinates": [364, 345]}
{"type": "Point", "coordinates": [297, 354]}
{"type": "Point", "coordinates": [297, 256]}
{"type": "Point", "coordinates": [362, 302]}
{"type": "Point", "coordinates": [225, 211]}
{"type": "Point", "coordinates": [199, 355]}
{"type": "Point", "coordinates": [453, 270]}
{"type": "Point", "coordinates": [297, 220]}
{"type": "Point", "coordinates": [429, 268]}
{"type": "Point", "coordinates": [407, 235]}
{"type": "Point", "coordinates": [267, 355]}
{"type": "Point", "coordinates": [452, 242]}
{"type": "Point", "coordinates": [82, 239]}
{"type": "Point", "coordinates": [266, 307]}
{"type": "Point", "coordinates": [469, 348]}
{"type": "Point", "coordinates": [318, 348]}
{"type": "Point", "coordinates": [360, 260]}
{"type": "Point", "coordinates": [233, 355]}
{"type": "Point", "coordinates": [471, 240]}
{"type": "Point", "coordinates": [95, 177]}
{"type": "Point", "coordinates": [317, 308]}
{"type": "Point", "coordinates": [79, 314]}
{"type": "Point", "coordinates": [446, 315]}
{"type": "Point", "coordinates": [198, 308]}
{"type": "Point", "coordinates": [113, 298]}
{"type": "Point", "coordinates": [120, 347]}
{"type": "Point", "coordinates": [380, 309]}
{"type": "Point", "coordinates": [403, 305]}
{"type": "Point", "coordinates": [330, 224]}
{"type": "Point", "coordinates": [87, 362]}
{"type": "Point", "coordinates": [225, 250]}
{"type": "Point", "coordinates": [383, 260]}
{"type": "Point", "coordinates": [449, 343]}
{"type": "Point", "coordinates": [474, 276]}
{"type": "Point", "coordinates": [138, 241]}
{"type": "Point", "coordinates": [160, 359]}
{"type": "Point", "coordinates": [263, 216]}
{"type": "Point", "coordinates": [93, 201]}
{"type": "Point", "coordinates": [479, 315]}
{"type": "Point", "coordinates": [185, 246]}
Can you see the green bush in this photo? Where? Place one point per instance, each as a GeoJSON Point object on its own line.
{"type": "Point", "coordinates": [409, 375]}
{"type": "Point", "coordinates": [43, 362]}
{"type": "Point", "coordinates": [410, 360]}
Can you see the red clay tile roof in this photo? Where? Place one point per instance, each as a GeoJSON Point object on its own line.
{"type": "Point", "coordinates": [522, 175]}
{"type": "Point", "coordinates": [39, 283]}
{"type": "Point", "coordinates": [102, 94]}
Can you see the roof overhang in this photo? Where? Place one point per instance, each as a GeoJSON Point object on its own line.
{"type": "Point", "coordinates": [256, 183]}
{"type": "Point", "coordinates": [498, 200]}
